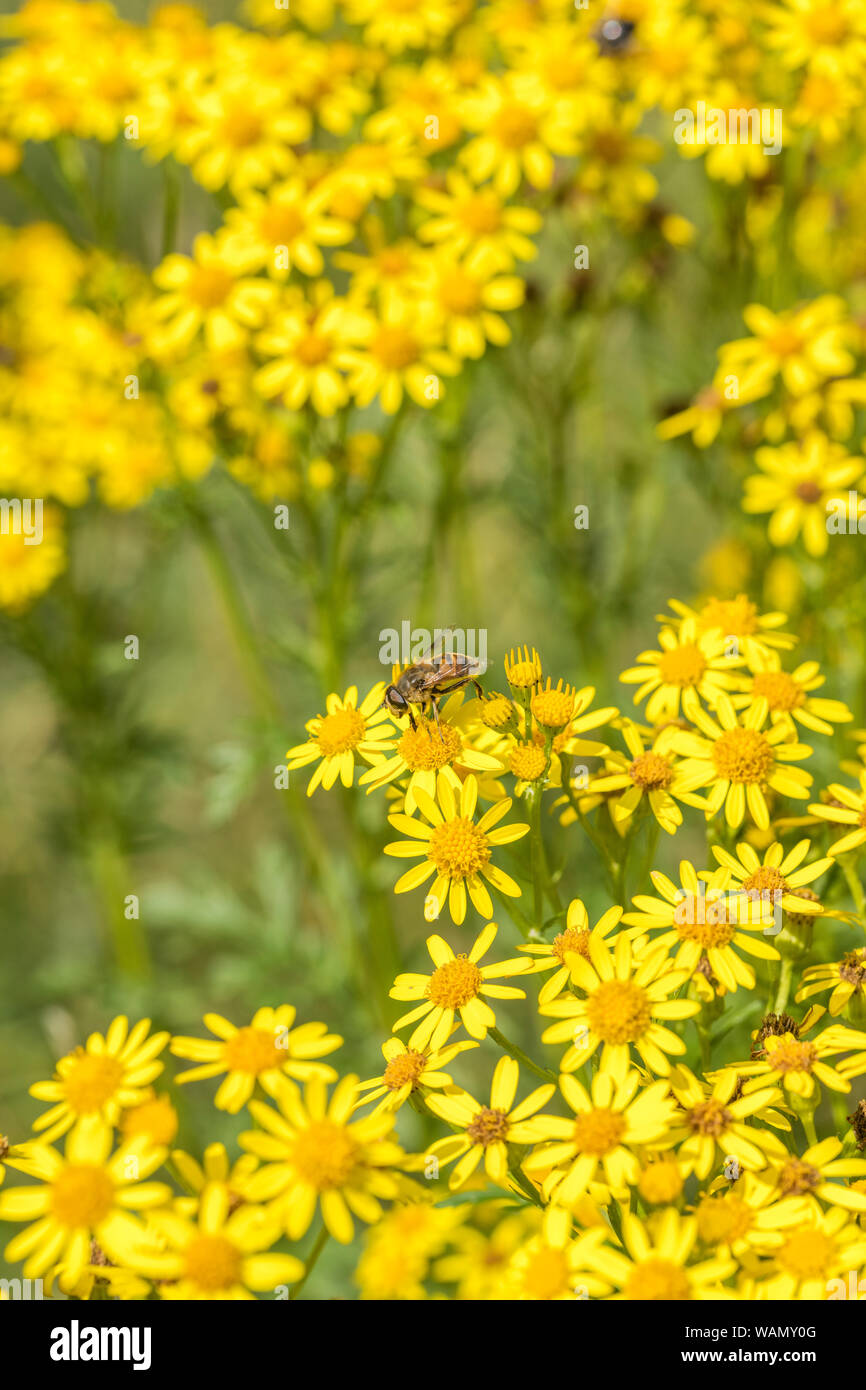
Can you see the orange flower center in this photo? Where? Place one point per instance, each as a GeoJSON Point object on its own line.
{"type": "Point", "coordinates": [82, 1195]}
{"type": "Point", "coordinates": [598, 1131]}
{"type": "Point", "coordinates": [682, 665]}
{"type": "Point", "coordinates": [743, 755]}
{"type": "Point", "coordinates": [651, 771]}
{"type": "Point", "coordinates": [325, 1155]}
{"type": "Point", "coordinates": [488, 1127]}
{"type": "Point", "coordinates": [458, 848]}
{"type": "Point", "coordinates": [340, 731]}
{"type": "Point", "coordinates": [781, 690]}
{"type": "Point", "coordinates": [92, 1081]}
{"type": "Point", "coordinates": [404, 1069]}
{"type": "Point", "coordinates": [253, 1050]}
{"type": "Point", "coordinates": [619, 1011]}
{"type": "Point", "coordinates": [454, 983]}
{"type": "Point", "coordinates": [213, 1263]}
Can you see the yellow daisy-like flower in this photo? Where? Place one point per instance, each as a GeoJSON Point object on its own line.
{"type": "Point", "coordinates": [455, 848]}
{"type": "Point", "coordinates": [553, 955]}
{"type": "Point", "coordinates": [653, 772]}
{"type": "Point", "coordinates": [222, 1256]}
{"type": "Point", "coordinates": [456, 986]}
{"type": "Point", "coordinates": [215, 1167]}
{"type": "Point", "coordinates": [408, 1071]}
{"type": "Point", "coordinates": [100, 1079]}
{"type": "Point", "coordinates": [155, 1116]}
{"type": "Point", "coordinates": [702, 418]}
{"type": "Point", "coordinates": [849, 810]}
{"type": "Point", "coordinates": [812, 1175]}
{"type": "Point", "coordinates": [654, 1266]}
{"type": "Point", "coordinates": [739, 762]}
{"type": "Point", "coordinates": [85, 1194]}
{"type": "Point", "coordinates": [845, 977]}
{"type": "Point", "coordinates": [775, 880]}
{"type": "Point", "coordinates": [208, 293]}
{"type": "Point", "coordinates": [335, 737]}
{"type": "Point", "coordinates": [262, 1052]}
{"type": "Point", "coordinates": [827, 35]}
{"type": "Point", "coordinates": [690, 667]}
{"type": "Point", "coordinates": [787, 697]}
{"type": "Point", "coordinates": [26, 569]}
{"type": "Point", "coordinates": [312, 1155]}
{"type": "Point", "coordinates": [400, 348]}
{"type": "Point", "coordinates": [309, 344]}
{"type": "Point", "coordinates": [465, 218]}
{"type": "Point", "coordinates": [803, 346]}
{"type": "Point", "coordinates": [608, 1122]}
{"type": "Point", "coordinates": [470, 296]}
{"type": "Point", "coordinates": [705, 921]}
{"type": "Point", "coordinates": [518, 135]}
{"type": "Point", "coordinates": [734, 1221]}
{"type": "Point", "coordinates": [430, 748]}
{"type": "Point", "coordinates": [797, 1063]}
{"type": "Point", "coordinates": [749, 632]}
{"type": "Point", "coordinates": [488, 1130]}
{"type": "Point", "coordinates": [802, 481]}
{"type": "Point", "coordinates": [550, 1266]}
{"type": "Point", "coordinates": [807, 1258]}
{"type": "Point", "coordinates": [713, 1126]}
{"type": "Point", "coordinates": [626, 1006]}
{"type": "Point", "coordinates": [284, 228]}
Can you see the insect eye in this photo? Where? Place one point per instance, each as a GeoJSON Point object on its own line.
{"type": "Point", "coordinates": [395, 698]}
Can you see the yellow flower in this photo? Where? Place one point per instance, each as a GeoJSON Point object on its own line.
{"type": "Point", "coordinates": [704, 924]}
{"type": "Point", "coordinates": [308, 344]}
{"type": "Point", "coordinates": [240, 131]}
{"type": "Point", "coordinates": [28, 568]}
{"type": "Point", "coordinates": [850, 809]}
{"type": "Point", "coordinates": [313, 1155]}
{"type": "Point", "coordinates": [691, 666]}
{"type": "Point", "coordinates": [155, 1117]}
{"type": "Point", "coordinates": [399, 348]}
{"type": "Point", "coordinates": [102, 1078]}
{"type": "Point", "coordinates": [455, 848]}
{"type": "Point", "coordinates": [797, 1063]}
{"type": "Point", "coordinates": [395, 25]}
{"type": "Point", "coordinates": [284, 229]}
{"type": "Point", "coordinates": [262, 1053]}
{"type": "Point", "coordinates": [468, 218]}
{"type": "Point", "coordinates": [518, 135]}
{"type": "Point", "coordinates": [786, 697]}
{"type": "Point", "coordinates": [655, 773]}
{"type": "Point", "coordinates": [206, 293]}
{"type": "Point", "coordinates": [811, 1176]}
{"type": "Point", "coordinates": [456, 986]}
{"type": "Point", "coordinates": [807, 1258]}
{"type": "Point", "coordinates": [827, 35]}
{"type": "Point", "coordinates": [737, 619]}
{"type": "Point", "coordinates": [523, 668]}
{"type": "Point", "coordinates": [803, 480]}
{"type": "Point", "coordinates": [86, 1194]}
{"type": "Point", "coordinates": [734, 1221]}
{"type": "Point", "coordinates": [214, 1168]}
{"type": "Point", "coordinates": [335, 737]}
{"type": "Point", "coordinates": [775, 880]}
{"type": "Point", "coordinates": [408, 1071]}
{"type": "Point", "coordinates": [626, 1005]}
{"type": "Point", "coordinates": [490, 1129]}
{"type": "Point", "coordinates": [804, 346]}
{"type": "Point", "coordinates": [429, 749]}
{"type": "Point", "coordinates": [713, 1126]}
{"type": "Point", "coordinates": [702, 418]}
{"type": "Point", "coordinates": [655, 1264]}
{"type": "Point", "coordinates": [844, 977]}
{"type": "Point", "coordinates": [576, 937]}
{"type": "Point", "coordinates": [470, 297]}
{"type": "Point", "coordinates": [740, 762]}
{"type": "Point", "coordinates": [224, 1255]}
{"type": "Point", "coordinates": [607, 1124]}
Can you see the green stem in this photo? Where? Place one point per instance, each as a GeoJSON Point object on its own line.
{"type": "Point", "coordinates": [784, 988]}
{"type": "Point", "coordinates": [519, 1055]}
{"type": "Point", "coordinates": [321, 1242]}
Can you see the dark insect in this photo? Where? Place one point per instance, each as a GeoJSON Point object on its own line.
{"type": "Point", "coordinates": [429, 678]}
